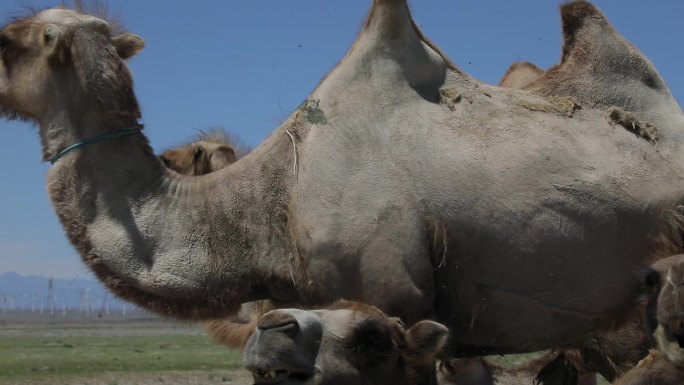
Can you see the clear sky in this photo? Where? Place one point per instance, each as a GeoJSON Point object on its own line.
{"type": "Point", "coordinates": [245, 65]}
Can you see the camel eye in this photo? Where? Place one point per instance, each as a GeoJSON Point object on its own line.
{"type": "Point", "coordinates": [378, 340]}
{"type": "Point", "coordinates": [197, 153]}
{"type": "Point", "coordinates": [371, 337]}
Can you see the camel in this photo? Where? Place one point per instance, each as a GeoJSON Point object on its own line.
{"type": "Point", "coordinates": [462, 202]}
{"type": "Point", "coordinates": [347, 343]}
{"type": "Point", "coordinates": [520, 75]}
{"type": "Point", "coordinates": [211, 152]}
{"type": "Point", "coordinates": [665, 364]}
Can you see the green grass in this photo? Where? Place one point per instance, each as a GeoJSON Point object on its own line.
{"type": "Point", "coordinates": [35, 357]}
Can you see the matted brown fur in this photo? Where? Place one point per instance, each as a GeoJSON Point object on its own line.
{"type": "Point", "coordinates": [231, 333]}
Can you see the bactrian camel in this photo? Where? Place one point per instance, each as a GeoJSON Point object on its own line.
{"type": "Point", "coordinates": [348, 343]}
{"type": "Point", "coordinates": [401, 181]}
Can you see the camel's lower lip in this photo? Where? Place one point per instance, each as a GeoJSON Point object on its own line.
{"type": "Point", "coordinates": [280, 377]}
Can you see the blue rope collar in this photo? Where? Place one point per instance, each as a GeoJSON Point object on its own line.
{"type": "Point", "coordinates": [95, 139]}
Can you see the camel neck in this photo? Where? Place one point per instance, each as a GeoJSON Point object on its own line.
{"type": "Point", "coordinates": [117, 201]}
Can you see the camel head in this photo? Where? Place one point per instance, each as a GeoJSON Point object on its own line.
{"type": "Point", "coordinates": [62, 60]}
{"type": "Point", "coordinates": [520, 75]}
{"type": "Point", "coordinates": [349, 343]}
{"type": "Point", "coordinates": [670, 332]}
{"type": "Point", "coordinates": [211, 152]}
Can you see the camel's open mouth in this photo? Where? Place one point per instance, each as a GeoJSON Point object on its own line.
{"type": "Point", "coordinates": [671, 343]}
{"type": "Point", "coordinates": [675, 337]}
{"type": "Point", "coordinates": [282, 376]}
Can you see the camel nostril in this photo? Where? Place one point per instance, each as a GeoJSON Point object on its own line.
{"type": "Point", "coordinates": [278, 321]}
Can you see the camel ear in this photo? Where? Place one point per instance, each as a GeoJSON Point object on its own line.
{"type": "Point", "coordinates": [128, 45]}
{"type": "Point", "coordinates": [427, 338]}
{"type": "Point", "coordinates": [222, 157]}
{"type": "Point", "coordinates": [521, 75]}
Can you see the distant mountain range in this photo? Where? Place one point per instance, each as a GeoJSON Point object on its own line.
{"type": "Point", "coordinates": [19, 292]}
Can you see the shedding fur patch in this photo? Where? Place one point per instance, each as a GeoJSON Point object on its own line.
{"type": "Point", "coordinates": [629, 121]}
{"type": "Point", "coordinates": [449, 97]}
{"type": "Point", "coordinates": [561, 105]}
{"type": "Point", "coordinates": [438, 237]}
{"type": "Point", "coordinates": [313, 112]}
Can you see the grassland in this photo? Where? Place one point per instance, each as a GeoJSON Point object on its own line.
{"type": "Point", "coordinates": [143, 350]}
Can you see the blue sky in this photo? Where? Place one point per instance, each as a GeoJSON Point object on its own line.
{"type": "Point", "coordinates": [245, 65]}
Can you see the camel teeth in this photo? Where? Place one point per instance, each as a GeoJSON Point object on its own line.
{"type": "Point", "coordinates": [259, 374]}
{"type": "Point", "coordinates": [269, 374]}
